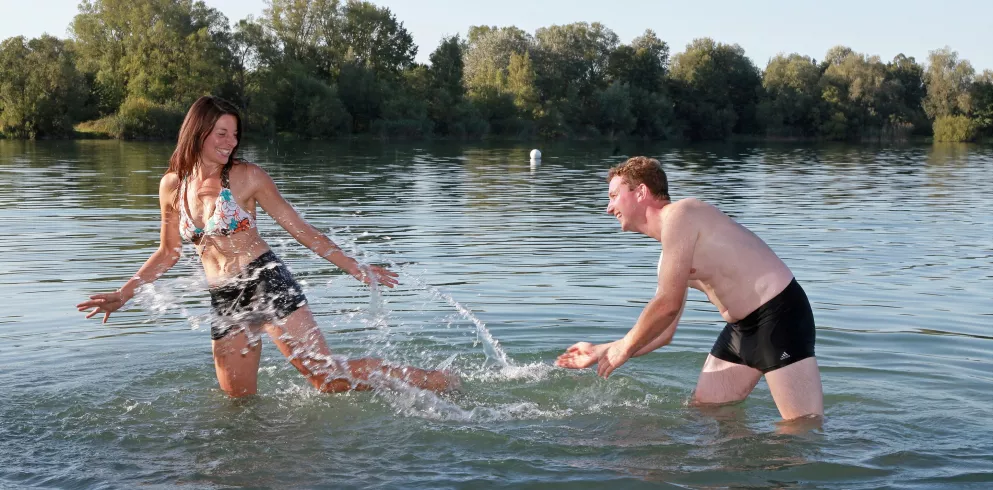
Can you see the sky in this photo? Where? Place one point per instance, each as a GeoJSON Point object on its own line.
{"type": "Point", "coordinates": [762, 27]}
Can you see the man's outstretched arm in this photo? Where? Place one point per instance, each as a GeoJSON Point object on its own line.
{"type": "Point", "coordinates": [665, 337]}
{"type": "Point", "coordinates": [679, 238]}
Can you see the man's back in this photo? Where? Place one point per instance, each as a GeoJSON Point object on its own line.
{"type": "Point", "coordinates": [733, 266]}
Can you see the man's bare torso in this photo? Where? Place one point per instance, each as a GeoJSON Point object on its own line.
{"type": "Point", "coordinates": [731, 265]}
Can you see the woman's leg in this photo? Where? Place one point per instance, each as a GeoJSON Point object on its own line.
{"type": "Point", "coordinates": [299, 339]}
{"type": "Point", "coordinates": [236, 361]}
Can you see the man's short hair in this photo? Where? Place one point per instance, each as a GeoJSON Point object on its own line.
{"type": "Point", "coordinates": [642, 170]}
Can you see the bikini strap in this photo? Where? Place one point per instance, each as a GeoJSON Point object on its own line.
{"type": "Point", "coordinates": [225, 172]}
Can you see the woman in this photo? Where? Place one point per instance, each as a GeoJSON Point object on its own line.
{"type": "Point", "coordinates": [209, 197]}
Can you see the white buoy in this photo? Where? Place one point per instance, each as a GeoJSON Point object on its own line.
{"type": "Point", "coordinates": [536, 154]}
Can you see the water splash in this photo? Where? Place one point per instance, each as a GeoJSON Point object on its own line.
{"type": "Point", "coordinates": [495, 355]}
{"type": "Point", "coordinates": [174, 297]}
{"type": "Point", "coordinates": [164, 298]}
{"type": "Point", "coordinates": [491, 346]}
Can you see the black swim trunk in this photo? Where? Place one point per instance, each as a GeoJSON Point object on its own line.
{"type": "Point", "coordinates": [773, 336]}
{"type": "Point", "coordinates": [262, 293]}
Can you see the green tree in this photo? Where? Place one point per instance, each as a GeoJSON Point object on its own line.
{"type": "Point", "coordinates": [41, 91]}
{"type": "Point", "coordinates": [571, 70]}
{"type": "Point", "coordinates": [489, 47]}
{"type": "Point", "coordinates": [573, 56]}
{"type": "Point", "coordinates": [653, 113]}
{"type": "Point", "coordinates": [642, 67]}
{"type": "Point", "coordinates": [790, 105]}
{"type": "Point", "coordinates": [357, 50]}
{"type": "Point", "coordinates": [982, 103]}
{"type": "Point", "coordinates": [405, 111]}
{"type": "Point", "coordinates": [505, 98]}
{"type": "Point", "coordinates": [322, 68]}
{"type": "Point", "coordinates": [905, 86]}
{"type": "Point", "coordinates": [836, 56]}
{"type": "Point", "coordinates": [948, 82]}
{"type": "Point", "coordinates": [853, 91]}
{"type": "Point", "coordinates": [521, 85]}
{"type": "Point", "coordinates": [615, 111]}
{"type": "Point", "coordinates": [167, 51]}
{"type": "Point", "coordinates": [255, 54]}
{"type": "Point", "coordinates": [324, 35]}
{"type": "Point", "coordinates": [375, 38]}
{"type": "Point", "coordinates": [304, 31]}
{"type": "Point", "coordinates": [500, 80]}
{"type": "Point", "coordinates": [491, 100]}
{"type": "Point", "coordinates": [446, 93]}
{"type": "Point", "coordinates": [363, 94]}
{"type": "Point", "coordinates": [716, 90]}
{"type": "Point", "coordinates": [643, 64]}
{"type": "Point", "coordinates": [317, 110]}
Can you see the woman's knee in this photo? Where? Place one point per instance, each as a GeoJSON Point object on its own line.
{"type": "Point", "coordinates": [236, 362]}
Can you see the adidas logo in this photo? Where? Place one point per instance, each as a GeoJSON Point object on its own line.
{"type": "Point", "coordinates": [784, 357]}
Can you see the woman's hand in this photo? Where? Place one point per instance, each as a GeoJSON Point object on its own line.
{"type": "Point", "coordinates": [105, 303]}
{"type": "Point", "coordinates": [381, 275]}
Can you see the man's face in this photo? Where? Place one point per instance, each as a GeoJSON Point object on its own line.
{"type": "Point", "coordinates": [623, 202]}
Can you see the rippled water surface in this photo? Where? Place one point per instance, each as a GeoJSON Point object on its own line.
{"type": "Point", "coordinates": [503, 264]}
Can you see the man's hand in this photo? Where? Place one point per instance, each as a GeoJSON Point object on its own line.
{"type": "Point", "coordinates": [616, 354]}
{"type": "Point", "coordinates": [581, 355]}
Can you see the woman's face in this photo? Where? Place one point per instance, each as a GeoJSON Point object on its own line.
{"type": "Point", "coordinates": [221, 141]}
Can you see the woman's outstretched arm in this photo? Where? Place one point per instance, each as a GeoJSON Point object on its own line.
{"type": "Point", "coordinates": [268, 196]}
{"type": "Point", "coordinates": [167, 255]}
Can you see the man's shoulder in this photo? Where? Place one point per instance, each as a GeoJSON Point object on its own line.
{"type": "Point", "coordinates": [679, 218]}
{"type": "Point", "coordinates": [690, 203]}
{"type": "Point", "coordinates": [692, 214]}
{"type": "Point", "coordinates": [687, 207]}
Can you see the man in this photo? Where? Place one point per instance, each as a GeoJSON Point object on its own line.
{"type": "Point", "coordinates": [770, 329]}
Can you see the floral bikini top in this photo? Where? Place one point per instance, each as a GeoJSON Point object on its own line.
{"type": "Point", "coordinates": [228, 217]}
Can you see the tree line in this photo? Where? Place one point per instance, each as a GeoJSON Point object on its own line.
{"type": "Point", "coordinates": [333, 68]}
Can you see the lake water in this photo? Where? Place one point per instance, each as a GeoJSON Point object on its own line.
{"type": "Point", "coordinates": [503, 265]}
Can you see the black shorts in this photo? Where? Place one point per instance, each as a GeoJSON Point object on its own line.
{"type": "Point", "coordinates": [262, 293]}
{"type": "Point", "coordinates": [775, 335]}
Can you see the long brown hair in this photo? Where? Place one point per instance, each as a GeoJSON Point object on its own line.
{"type": "Point", "coordinates": [197, 125]}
